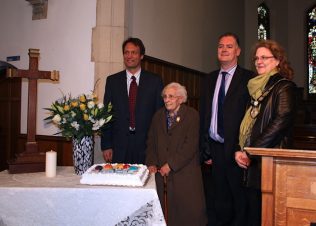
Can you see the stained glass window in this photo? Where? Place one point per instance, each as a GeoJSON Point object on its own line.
{"type": "Point", "coordinates": [263, 22]}
{"type": "Point", "coordinates": [311, 49]}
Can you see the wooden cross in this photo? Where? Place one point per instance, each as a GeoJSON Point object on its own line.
{"type": "Point", "coordinates": [32, 74]}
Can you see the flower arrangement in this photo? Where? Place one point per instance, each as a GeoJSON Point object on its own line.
{"type": "Point", "coordinates": [80, 116]}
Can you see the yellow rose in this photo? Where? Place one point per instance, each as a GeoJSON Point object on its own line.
{"type": "Point", "coordinates": [74, 103]}
{"type": "Point", "coordinates": [85, 117]}
{"type": "Point", "coordinates": [82, 107]}
{"type": "Point", "coordinates": [82, 98]}
{"type": "Point", "coordinates": [66, 108]}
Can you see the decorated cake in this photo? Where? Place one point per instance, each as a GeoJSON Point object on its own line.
{"type": "Point", "coordinates": [116, 174]}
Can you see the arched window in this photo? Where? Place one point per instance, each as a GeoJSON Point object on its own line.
{"type": "Point", "coordinates": [311, 49]}
{"type": "Point", "coordinates": [263, 22]}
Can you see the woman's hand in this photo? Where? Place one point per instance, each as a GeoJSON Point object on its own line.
{"type": "Point", "coordinates": [165, 170]}
{"type": "Point", "coordinates": [242, 159]}
{"type": "Point", "coordinates": [152, 169]}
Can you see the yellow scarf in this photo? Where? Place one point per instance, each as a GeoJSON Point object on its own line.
{"type": "Point", "coordinates": [255, 88]}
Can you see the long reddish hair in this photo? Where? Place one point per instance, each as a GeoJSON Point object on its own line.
{"type": "Point", "coordinates": [278, 52]}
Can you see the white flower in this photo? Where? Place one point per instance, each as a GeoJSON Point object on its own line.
{"type": "Point", "coordinates": [100, 105]}
{"type": "Point", "coordinates": [73, 114]}
{"type": "Point", "coordinates": [96, 126]}
{"type": "Point", "coordinates": [91, 104]}
{"type": "Point", "coordinates": [91, 119]}
{"type": "Point", "coordinates": [56, 119]}
{"type": "Point", "coordinates": [75, 125]}
{"type": "Point", "coordinates": [101, 122]}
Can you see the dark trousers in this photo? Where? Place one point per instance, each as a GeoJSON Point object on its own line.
{"type": "Point", "coordinates": [132, 154]}
{"type": "Point", "coordinates": [209, 193]}
{"type": "Point", "coordinates": [227, 203]}
{"type": "Point", "coordinates": [253, 206]}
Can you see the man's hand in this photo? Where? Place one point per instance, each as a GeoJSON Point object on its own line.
{"type": "Point", "coordinates": [107, 155]}
{"type": "Point", "coordinates": [242, 159]}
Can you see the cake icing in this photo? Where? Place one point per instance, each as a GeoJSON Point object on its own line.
{"type": "Point", "coordinates": [116, 174]}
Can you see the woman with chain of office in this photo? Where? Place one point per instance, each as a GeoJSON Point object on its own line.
{"type": "Point", "coordinates": [269, 119]}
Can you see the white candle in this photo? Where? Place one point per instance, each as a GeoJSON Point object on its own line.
{"type": "Point", "coordinates": [51, 163]}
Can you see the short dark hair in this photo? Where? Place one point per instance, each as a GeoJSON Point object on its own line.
{"type": "Point", "coordinates": [230, 34]}
{"type": "Point", "coordinates": [136, 42]}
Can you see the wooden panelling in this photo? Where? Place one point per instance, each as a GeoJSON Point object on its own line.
{"type": "Point", "coordinates": [10, 102]}
{"type": "Point", "coordinates": [176, 73]}
{"type": "Point", "coordinates": [62, 146]}
{"type": "Point", "coordinates": [292, 199]}
{"type": "Point", "coordinates": [304, 136]}
{"type": "Point", "coordinates": [300, 217]}
{"type": "Point", "coordinates": [306, 188]}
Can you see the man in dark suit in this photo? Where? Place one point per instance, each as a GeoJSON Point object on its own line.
{"type": "Point", "coordinates": [222, 107]}
{"type": "Point", "coordinates": [135, 95]}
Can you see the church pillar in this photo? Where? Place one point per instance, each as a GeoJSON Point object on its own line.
{"type": "Point", "coordinates": [107, 38]}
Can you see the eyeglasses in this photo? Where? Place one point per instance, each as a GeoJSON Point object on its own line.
{"type": "Point", "coordinates": [263, 58]}
{"type": "Point", "coordinates": [169, 97]}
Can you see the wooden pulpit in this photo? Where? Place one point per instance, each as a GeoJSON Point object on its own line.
{"type": "Point", "coordinates": [288, 186]}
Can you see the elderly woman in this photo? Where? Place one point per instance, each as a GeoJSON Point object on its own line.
{"type": "Point", "coordinates": [172, 152]}
{"type": "Point", "coordinates": [269, 119]}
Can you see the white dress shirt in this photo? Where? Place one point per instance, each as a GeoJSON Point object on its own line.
{"type": "Point", "coordinates": [228, 78]}
{"type": "Point", "coordinates": [129, 78]}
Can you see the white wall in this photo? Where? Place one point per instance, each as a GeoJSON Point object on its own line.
{"type": "Point", "coordinates": [185, 32]}
{"type": "Point", "coordinates": [64, 40]}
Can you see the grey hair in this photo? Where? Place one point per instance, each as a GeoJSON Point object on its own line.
{"type": "Point", "coordinates": [180, 90]}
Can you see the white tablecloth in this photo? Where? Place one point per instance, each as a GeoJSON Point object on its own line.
{"type": "Point", "coordinates": [33, 199]}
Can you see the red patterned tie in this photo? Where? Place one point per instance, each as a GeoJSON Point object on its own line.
{"type": "Point", "coordinates": [132, 102]}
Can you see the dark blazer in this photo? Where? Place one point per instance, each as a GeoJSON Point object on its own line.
{"type": "Point", "coordinates": [227, 176]}
{"type": "Point", "coordinates": [274, 123]}
{"type": "Point", "coordinates": [236, 100]}
{"type": "Point", "coordinates": [148, 101]}
{"type": "Point", "coordinates": [178, 147]}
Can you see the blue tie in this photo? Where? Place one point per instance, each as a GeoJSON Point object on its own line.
{"type": "Point", "coordinates": [220, 105]}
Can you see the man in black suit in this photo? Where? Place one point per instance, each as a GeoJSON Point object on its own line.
{"type": "Point", "coordinates": [220, 131]}
{"type": "Point", "coordinates": [124, 140]}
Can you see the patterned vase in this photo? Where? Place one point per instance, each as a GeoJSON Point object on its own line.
{"type": "Point", "coordinates": [83, 153]}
